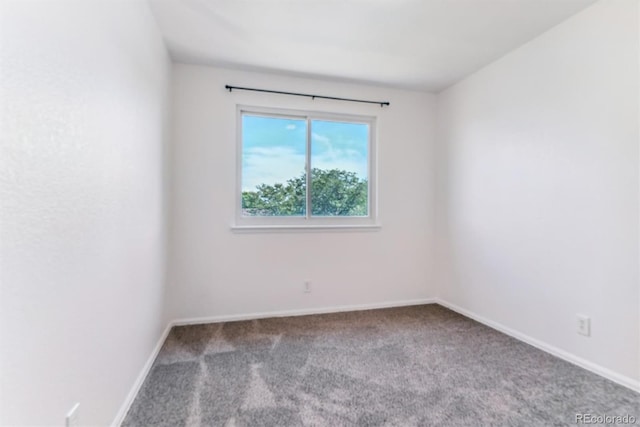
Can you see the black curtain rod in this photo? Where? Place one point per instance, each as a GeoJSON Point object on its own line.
{"type": "Point", "coordinates": [381, 103]}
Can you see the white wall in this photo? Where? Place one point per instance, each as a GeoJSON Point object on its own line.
{"type": "Point", "coordinates": [216, 272]}
{"type": "Point", "coordinates": [84, 101]}
{"type": "Point", "coordinates": [538, 188]}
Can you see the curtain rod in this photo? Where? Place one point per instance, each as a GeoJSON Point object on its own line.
{"type": "Point", "coordinates": [381, 103]}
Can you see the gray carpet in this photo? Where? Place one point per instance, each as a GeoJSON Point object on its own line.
{"type": "Point", "coordinates": [412, 366]}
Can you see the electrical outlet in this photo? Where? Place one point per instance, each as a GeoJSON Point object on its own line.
{"type": "Point", "coordinates": [72, 417]}
{"type": "Point", "coordinates": [584, 325]}
{"type": "Point", "coordinates": [307, 286]}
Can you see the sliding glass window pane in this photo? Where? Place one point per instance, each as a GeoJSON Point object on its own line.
{"type": "Point", "coordinates": [273, 166]}
{"type": "Point", "coordinates": [339, 164]}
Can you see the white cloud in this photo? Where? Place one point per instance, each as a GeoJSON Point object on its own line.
{"type": "Point", "coordinates": [357, 165]}
{"type": "Point", "coordinates": [290, 126]}
{"type": "Point", "coordinates": [321, 138]}
{"type": "Point", "coordinates": [332, 157]}
{"type": "Point", "coordinates": [270, 165]}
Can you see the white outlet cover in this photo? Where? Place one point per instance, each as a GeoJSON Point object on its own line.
{"type": "Point", "coordinates": [584, 325]}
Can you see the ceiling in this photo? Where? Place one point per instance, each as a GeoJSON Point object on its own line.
{"type": "Point", "coordinates": [413, 44]}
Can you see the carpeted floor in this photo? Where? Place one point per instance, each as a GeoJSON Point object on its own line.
{"type": "Point", "coordinates": [421, 365]}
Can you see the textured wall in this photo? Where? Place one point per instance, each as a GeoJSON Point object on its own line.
{"type": "Point", "coordinates": [84, 96]}
{"type": "Point", "coordinates": [538, 188]}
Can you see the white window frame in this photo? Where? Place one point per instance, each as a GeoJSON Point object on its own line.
{"type": "Point", "coordinates": [309, 222]}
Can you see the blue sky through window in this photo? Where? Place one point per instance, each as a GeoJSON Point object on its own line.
{"type": "Point", "coordinates": [338, 145]}
{"type": "Point", "coordinates": [274, 149]}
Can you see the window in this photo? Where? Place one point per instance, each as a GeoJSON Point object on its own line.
{"type": "Point", "coordinates": [303, 169]}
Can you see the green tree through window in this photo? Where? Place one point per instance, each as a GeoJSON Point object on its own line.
{"type": "Point", "coordinates": [334, 193]}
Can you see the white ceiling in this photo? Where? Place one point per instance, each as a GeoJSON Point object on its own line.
{"type": "Point", "coordinates": [414, 44]}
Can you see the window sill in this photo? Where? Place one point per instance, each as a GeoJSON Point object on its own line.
{"type": "Point", "coordinates": [304, 228]}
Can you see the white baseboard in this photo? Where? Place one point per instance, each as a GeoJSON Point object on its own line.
{"type": "Point", "coordinates": [564, 355]}
{"type": "Point", "coordinates": [300, 312]}
{"type": "Point", "coordinates": [141, 377]}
